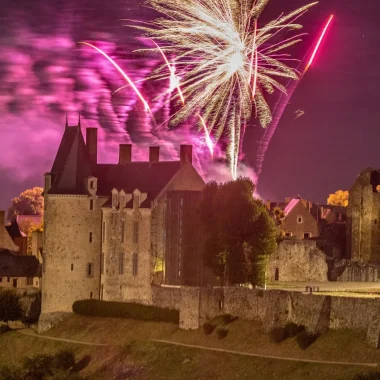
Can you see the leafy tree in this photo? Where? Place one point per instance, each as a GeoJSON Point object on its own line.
{"type": "Point", "coordinates": [279, 215]}
{"type": "Point", "coordinates": [29, 202]}
{"type": "Point", "coordinates": [238, 231]}
{"type": "Point", "coordinates": [339, 198]}
{"type": "Point", "coordinates": [10, 309]}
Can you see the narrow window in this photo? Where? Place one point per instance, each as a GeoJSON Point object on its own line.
{"type": "Point", "coordinates": [136, 201]}
{"type": "Point", "coordinates": [134, 264]}
{"type": "Point", "coordinates": [72, 267]}
{"type": "Point", "coordinates": [299, 220]}
{"type": "Point", "coordinates": [9, 279]}
{"type": "Point", "coordinates": [90, 237]}
{"type": "Point", "coordinates": [91, 205]}
{"type": "Point", "coordinates": [1, 279]}
{"type": "Point", "coordinates": [91, 295]}
{"type": "Point", "coordinates": [104, 232]}
{"type": "Point", "coordinates": [29, 281]}
{"type": "Point", "coordinates": [15, 282]}
{"type": "Point", "coordinates": [122, 231]}
{"type": "Point", "coordinates": [90, 270]}
{"type": "Point", "coordinates": [121, 263]}
{"type": "Point", "coordinates": [91, 184]}
{"type": "Point", "coordinates": [102, 263]}
{"type": "Point", "coordinates": [136, 232]}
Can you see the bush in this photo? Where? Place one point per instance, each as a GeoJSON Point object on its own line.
{"type": "Point", "coordinates": [277, 334]}
{"type": "Point", "coordinates": [222, 332]}
{"type": "Point", "coordinates": [208, 328]}
{"type": "Point", "coordinates": [305, 339]}
{"type": "Point", "coordinates": [9, 306]}
{"type": "Point", "coordinates": [368, 376]}
{"type": "Point", "coordinates": [291, 329]}
{"type": "Point", "coordinates": [4, 329]}
{"type": "Point", "coordinates": [64, 360]}
{"type": "Point", "coordinates": [106, 309]}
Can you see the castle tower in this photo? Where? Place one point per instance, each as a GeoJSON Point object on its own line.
{"type": "Point", "coordinates": [72, 233]}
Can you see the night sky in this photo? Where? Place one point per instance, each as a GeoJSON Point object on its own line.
{"type": "Point", "coordinates": [44, 75]}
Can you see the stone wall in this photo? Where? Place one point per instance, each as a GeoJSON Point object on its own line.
{"type": "Point", "coordinates": [297, 260]}
{"type": "Point", "coordinates": [273, 308]}
{"type": "Point", "coordinates": [354, 271]}
{"type": "Point", "coordinates": [68, 251]}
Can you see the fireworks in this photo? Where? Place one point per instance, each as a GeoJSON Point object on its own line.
{"type": "Point", "coordinates": [227, 62]}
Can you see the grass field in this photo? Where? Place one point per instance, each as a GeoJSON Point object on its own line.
{"type": "Point", "coordinates": [131, 354]}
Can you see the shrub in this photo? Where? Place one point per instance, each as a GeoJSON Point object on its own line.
{"type": "Point", "coordinates": [305, 339]}
{"type": "Point", "coordinates": [277, 334]}
{"type": "Point", "coordinates": [4, 329]}
{"type": "Point", "coordinates": [64, 360]}
{"type": "Point", "coordinates": [9, 306]}
{"type": "Point", "coordinates": [97, 308]}
{"type": "Point", "coordinates": [368, 376]}
{"type": "Point", "coordinates": [291, 329]}
{"type": "Point", "coordinates": [222, 332]}
{"type": "Point", "coordinates": [208, 328]}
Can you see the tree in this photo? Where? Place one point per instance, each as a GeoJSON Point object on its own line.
{"type": "Point", "coordinates": [29, 202]}
{"type": "Point", "coordinates": [238, 230]}
{"type": "Point", "coordinates": [339, 198]}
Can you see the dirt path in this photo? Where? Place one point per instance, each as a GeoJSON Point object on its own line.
{"type": "Point", "coordinates": [373, 365]}
{"type": "Point", "coordinates": [30, 332]}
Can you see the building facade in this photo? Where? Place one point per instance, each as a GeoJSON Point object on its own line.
{"type": "Point", "coordinates": [111, 230]}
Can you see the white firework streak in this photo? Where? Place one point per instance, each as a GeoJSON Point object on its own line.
{"type": "Point", "coordinates": [226, 61]}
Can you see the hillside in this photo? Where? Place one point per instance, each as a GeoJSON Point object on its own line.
{"type": "Point", "coordinates": [130, 353]}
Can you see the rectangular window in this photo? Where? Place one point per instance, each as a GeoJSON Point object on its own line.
{"type": "Point", "coordinates": [90, 270]}
{"type": "Point", "coordinates": [90, 237]}
{"type": "Point", "coordinates": [122, 231]}
{"type": "Point", "coordinates": [91, 184]}
{"type": "Point", "coordinates": [102, 263]}
{"type": "Point", "coordinates": [9, 279]}
{"type": "Point", "coordinates": [134, 264]}
{"type": "Point", "coordinates": [29, 281]}
{"type": "Point", "coordinates": [136, 232]}
{"type": "Point", "coordinates": [121, 263]}
{"type": "Point", "coordinates": [91, 205]}
{"type": "Point", "coordinates": [91, 295]}
{"type": "Point", "coordinates": [72, 267]}
{"type": "Point", "coordinates": [288, 234]}
{"type": "Point", "coordinates": [1, 279]}
{"type": "Point", "coordinates": [104, 232]}
{"type": "Point", "coordinates": [307, 235]}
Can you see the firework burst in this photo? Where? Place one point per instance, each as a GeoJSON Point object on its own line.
{"type": "Point", "coordinates": [227, 62]}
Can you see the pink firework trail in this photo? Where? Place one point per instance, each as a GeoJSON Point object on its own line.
{"type": "Point", "coordinates": [282, 103]}
{"type": "Point", "coordinates": [123, 74]}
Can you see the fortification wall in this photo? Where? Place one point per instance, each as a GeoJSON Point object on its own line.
{"type": "Point", "coordinates": [273, 308]}
{"type": "Point", "coordinates": [297, 260]}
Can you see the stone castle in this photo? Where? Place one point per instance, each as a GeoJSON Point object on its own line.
{"type": "Point", "coordinates": [111, 230]}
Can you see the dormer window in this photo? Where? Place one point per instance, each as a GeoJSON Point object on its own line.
{"type": "Point", "coordinates": [92, 185]}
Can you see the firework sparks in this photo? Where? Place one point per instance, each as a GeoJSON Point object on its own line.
{"type": "Point", "coordinates": [283, 102]}
{"type": "Point", "coordinates": [123, 74]}
{"type": "Point", "coordinates": [226, 61]}
{"type": "Point", "coordinates": [209, 142]}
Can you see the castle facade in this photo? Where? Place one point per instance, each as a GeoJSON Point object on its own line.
{"type": "Point", "coordinates": [111, 230]}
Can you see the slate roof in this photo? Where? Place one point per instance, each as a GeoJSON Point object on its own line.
{"type": "Point", "coordinates": [13, 265]}
{"type": "Point", "coordinates": [72, 166]}
{"type": "Point", "coordinates": [14, 230]}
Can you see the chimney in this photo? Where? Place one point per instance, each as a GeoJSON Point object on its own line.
{"type": "Point", "coordinates": [92, 144]}
{"type": "Point", "coordinates": [2, 219]}
{"type": "Point", "coordinates": [186, 154]}
{"type": "Point", "coordinates": [154, 154]}
{"type": "Point", "coordinates": [125, 154]}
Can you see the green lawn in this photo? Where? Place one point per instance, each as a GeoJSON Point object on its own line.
{"type": "Point", "coordinates": [133, 356]}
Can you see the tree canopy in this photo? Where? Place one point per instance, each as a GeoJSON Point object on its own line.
{"type": "Point", "coordinates": [29, 202]}
{"type": "Point", "coordinates": [239, 232]}
{"type": "Point", "coordinates": [339, 198]}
